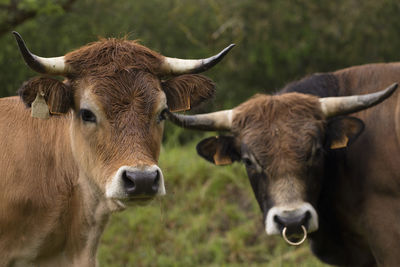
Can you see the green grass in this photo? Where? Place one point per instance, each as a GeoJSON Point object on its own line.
{"type": "Point", "coordinates": [209, 217]}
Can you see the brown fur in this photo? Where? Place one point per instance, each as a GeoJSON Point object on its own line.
{"type": "Point", "coordinates": [355, 190]}
{"type": "Point", "coordinates": [112, 55]}
{"type": "Point", "coordinates": [277, 128]}
{"type": "Point", "coordinates": [55, 173]}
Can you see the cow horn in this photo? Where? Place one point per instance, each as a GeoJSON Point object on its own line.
{"type": "Point", "coordinates": [53, 65]}
{"type": "Point", "coordinates": [215, 121]}
{"type": "Point", "coordinates": [335, 106]}
{"type": "Point", "coordinates": [176, 66]}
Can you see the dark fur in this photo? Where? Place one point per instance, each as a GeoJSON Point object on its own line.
{"type": "Point", "coordinates": [355, 189]}
{"type": "Point", "coordinates": [319, 84]}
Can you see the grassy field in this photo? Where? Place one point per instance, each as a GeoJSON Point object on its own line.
{"type": "Point", "coordinates": [209, 217]}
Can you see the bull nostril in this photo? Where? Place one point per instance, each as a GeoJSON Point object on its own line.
{"type": "Point", "coordinates": [279, 222]}
{"type": "Point", "coordinates": [156, 182]}
{"type": "Point", "coordinates": [292, 221]}
{"type": "Point", "coordinates": [306, 218]}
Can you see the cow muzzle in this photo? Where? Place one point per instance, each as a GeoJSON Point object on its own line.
{"type": "Point", "coordinates": [294, 223]}
{"type": "Point", "coordinates": [136, 183]}
{"type": "Point", "coordinates": [141, 183]}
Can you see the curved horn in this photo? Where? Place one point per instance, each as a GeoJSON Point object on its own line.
{"type": "Point", "coordinates": [53, 65]}
{"type": "Point", "coordinates": [335, 106]}
{"type": "Point", "coordinates": [178, 66]}
{"type": "Point", "coordinates": [215, 121]}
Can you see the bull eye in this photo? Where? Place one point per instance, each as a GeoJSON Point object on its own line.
{"type": "Point", "coordinates": [247, 162]}
{"type": "Point", "coordinates": [87, 115]}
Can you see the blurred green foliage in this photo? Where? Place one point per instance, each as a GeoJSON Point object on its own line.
{"type": "Point", "coordinates": [277, 41]}
{"type": "Point", "coordinates": [209, 216]}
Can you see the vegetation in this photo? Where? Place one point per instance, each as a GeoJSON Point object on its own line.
{"type": "Point", "coordinates": [209, 216]}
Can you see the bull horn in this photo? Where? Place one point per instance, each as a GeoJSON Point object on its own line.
{"type": "Point", "coordinates": [52, 65]}
{"type": "Point", "coordinates": [215, 121]}
{"type": "Point", "coordinates": [335, 106]}
{"type": "Point", "coordinates": [176, 66]}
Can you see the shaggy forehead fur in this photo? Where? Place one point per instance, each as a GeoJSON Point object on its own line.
{"type": "Point", "coordinates": [112, 55]}
{"type": "Point", "coordinates": [280, 130]}
{"type": "Point", "coordinates": [131, 91]}
{"type": "Point", "coordinates": [122, 75]}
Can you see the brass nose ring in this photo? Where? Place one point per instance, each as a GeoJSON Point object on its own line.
{"type": "Point", "coordinates": [295, 243]}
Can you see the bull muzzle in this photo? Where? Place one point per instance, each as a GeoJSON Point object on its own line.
{"type": "Point", "coordinates": [292, 223]}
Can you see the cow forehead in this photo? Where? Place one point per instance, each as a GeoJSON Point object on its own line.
{"type": "Point", "coordinates": [137, 92]}
{"type": "Point", "coordinates": [113, 55]}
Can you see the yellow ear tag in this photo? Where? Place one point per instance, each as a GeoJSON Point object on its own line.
{"type": "Point", "coordinates": [220, 159]}
{"type": "Point", "coordinates": [184, 107]}
{"type": "Point", "coordinates": [39, 107]}
{"type": "Point", "coordinates": [342, 143]}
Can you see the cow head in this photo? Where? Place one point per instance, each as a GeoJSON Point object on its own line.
{"type": "Point", "coordinates": [113, 95]}
{"type": "Point", "coordinates": [282, 140]}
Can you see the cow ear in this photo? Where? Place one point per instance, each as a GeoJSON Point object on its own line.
{"type": "Point", "coordinates": [187, 91]}
{"type": "Point", "coordinates": [219, 150]}
{"type": "Point", "coordinates": [58, 95]}
{"type": "Point", "coordinates": [343, 131]}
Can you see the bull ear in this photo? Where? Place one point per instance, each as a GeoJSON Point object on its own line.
{"type": "Point", "coordinates": [343, 131]}
{"type": "Point", "coordinates": [219, 150]}
{"type": "Point", "coordinates": [187, 91]}
{"type": "Point", "coordinates": [57, 95]}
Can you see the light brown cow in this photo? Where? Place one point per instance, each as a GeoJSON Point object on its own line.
{"type": "Point", "coordinates": [61, 177]}
{"type": "Point", "coordinates": [315, 171]}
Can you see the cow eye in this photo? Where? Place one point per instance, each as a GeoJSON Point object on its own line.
{"type": "Point", "coordinates": [161, 116]}
{"type": "Point", "coordinates": [87, 115]}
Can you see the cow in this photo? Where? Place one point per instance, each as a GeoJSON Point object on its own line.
{"type": "Point", "coordinates": [316, 171]}
{"type": "Point", "coordinates": [84, 142]}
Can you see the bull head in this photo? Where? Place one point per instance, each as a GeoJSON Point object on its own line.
{"type": "Point", "coordinates": [283, 151]}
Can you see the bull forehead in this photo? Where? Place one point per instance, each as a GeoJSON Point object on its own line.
{"type": "Point", "coordinates": [279, 130]}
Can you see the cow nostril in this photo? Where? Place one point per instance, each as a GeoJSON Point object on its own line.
{"type": "Point", "coordinates": [156, 182]}
{"type": "Point", "coordinates": [129, 183]}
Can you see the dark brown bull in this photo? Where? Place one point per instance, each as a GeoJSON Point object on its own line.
{"type": "Point", "coordinates": [312, 169]}
{"type": "Point", "coordinates": [61, 178]}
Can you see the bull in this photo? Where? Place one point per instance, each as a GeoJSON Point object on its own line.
{"type": "Point", "coordinates": [94, 152]}
{"type": "Point", "coordinates": [315, 170]}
